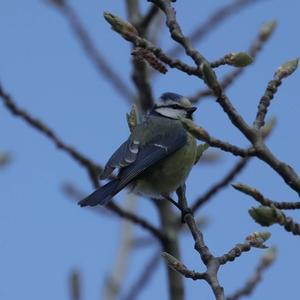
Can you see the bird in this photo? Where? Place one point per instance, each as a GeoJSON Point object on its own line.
{"type": "Point", "coordinates": [157, 157]}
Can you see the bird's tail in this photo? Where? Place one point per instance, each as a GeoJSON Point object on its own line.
{"type": "Point", "coordinates": [102, 195]}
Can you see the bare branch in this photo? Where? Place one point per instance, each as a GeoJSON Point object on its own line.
{"type": "Point", "coordinates": [237, 168]}
{"type": "Point", "coordinates": [211, 262]}
{"type": "Point", "coordinates": [121, 27]}
{"type": "Point", "coordinates": [75, 285]}
{"type": "Point", "coordinates": [148, 18]}
{"type": "Point", "coordinates": [144, 54]}
{"type": "Point", "coordinates": [171, 245]}
{"type": "Point", "coordinates": [215, 188]}
{"type": "Point", "coordinates": [202, 135]}
{"type": "Point", "coordinates": [176, 33]}
{"type": "Point", "coordinates": [210, 78]}
{"type": "Point", "coordinates": [5, 159]}
{"type": "Point", "coordinates": [207, 257]}
{"type": "Point", "coordinates": [92, 52]}
{"type": "Point", "coordinates": [265, 262]}
{"type": "Point", "coordinates": [267, 216]}
{"type": "Point", "coordinates": [178, 266]}
{"type": "Point", "coordinates": [255, 240]}
{"type": "Point", "coordinates": [113, 283]}
{"type": "Point", "coordinates": [256, 46]}
{"type": "Point", "coordinates": [239, 60]}
{"type": "Point", "coordinates": [258, 196]}
{"type": "Point", "coordinates": [215, 19]}
{"type": "Point", "coordinates": [284, 71]}
{"type": "Point", "coordinates": [9, 103]}
{"type": "Point", "coordinates": [144, 277]}
{"type": "Point", "coordinates": [92, 168]}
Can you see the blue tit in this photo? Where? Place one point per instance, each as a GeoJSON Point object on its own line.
{"type": "Point", "coordinates": [156, 158]}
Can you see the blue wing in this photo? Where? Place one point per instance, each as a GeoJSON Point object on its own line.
{"type": "Point", "coordinates": [151, 154]}
{"type": "Point", "coordinates": [125, 155]}
{"type": "Point", "coordinates": [145, 157]}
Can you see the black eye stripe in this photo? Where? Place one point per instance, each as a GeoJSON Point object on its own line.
{"type": "Point", "coordinates": [175, 106]}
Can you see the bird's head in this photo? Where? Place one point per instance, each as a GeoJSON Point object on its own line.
{"type": "Point", "coordinates": [174, 106]}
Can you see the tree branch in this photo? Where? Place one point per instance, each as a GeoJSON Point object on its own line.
{"type": "Point", "coordinates": [202, 135]}
{"type": "Point", "coordinates": [216, 18]}
{"type": "Point", "coordinates": [255, 48]}
{"type": "Point", "coordinates": [171, 245]}
{"type": "Point", "coordinates": [113, 283]}
{"type": "Point", "coordinates": [267, 216]}
{"type": "Point", "coordinates": [209, 77]}
{"type": "Point", "coordinates": [255, 240]}
{"type": "Point", "coordinates": [215, 188]}
{"type": "Point", "coordinates": [9, 103]}
{"type": "Point", "coordinates": [258, 196]}
{"type": "Point", "coordinates": [265, 262]}
{"type": "Point", "coordinates": [211, 262]}
{"type": "Point", "coordinates": [92, 168]}
{"type": "Point", "coordinates": [91, 51]}
{"type": "Point", "coordinates": [265, 101]}
{"type": "Point", "coordinates": [144, 277]}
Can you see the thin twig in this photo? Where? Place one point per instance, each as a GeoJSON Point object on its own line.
{"type": "Point", "coordinates": [92, 168]}
{"type": "Point", "coordinates": [171, 245]}
{"type": "Point", "coordinates": [259, 197]}
{"type": "Point", "coordinates": [265, 262]}
{"type": "Point", "coordinates": [255, 240]}
{"type": "Point", "coordinates": [215, 19]}
{"type": "Point", "coordinates": [75, 286]}
{"type": "Point", "coordinates": [139, 67]}
{"type": "Point", "coordinates": [5, 159]}
{"type": "Point", "coordinates": [265, 101]}
{"type": "Point", "coordinates": [267, 216]}
{"type": "Point", "coordinates": [178, 266]}
{"type": "Point", "coordinates": [233, 172]}
{"type": "Point", "coordinates": [148, 18]}
{"type": "Point", "coordinates": [144, 278]}
{"type": "Point", "coordinates": [261, 150]}
{"type": "Point", "coordinates": [216, 187]}
{"type": "Point", "coordinates": [211, 262]}
{"type": "Point", "coordinates": [45, 130]}
{"type": "Point", "coordinates": [255, 48]}
{"type": "Point", "coordinates": [202, 135]}
{"type": "Point", "coordinates": [99, 61]}
{"type": "Point", "coordinates": [113, 283]}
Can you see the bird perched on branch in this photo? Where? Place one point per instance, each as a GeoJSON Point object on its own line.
{"type": "Point", "coordinates": [156, 158]}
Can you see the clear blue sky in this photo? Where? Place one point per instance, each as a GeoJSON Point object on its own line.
{"type": "Point", "coordinates": [44, 235]}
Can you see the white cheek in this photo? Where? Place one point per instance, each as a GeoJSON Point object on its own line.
{"type": "Point", "coordinates": [171, 112]}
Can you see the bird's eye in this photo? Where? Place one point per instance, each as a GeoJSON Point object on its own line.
{"type": "Point", "coordinates": [176, 106]}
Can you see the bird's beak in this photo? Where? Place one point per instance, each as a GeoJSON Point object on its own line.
{"type": "Point", "coordinates": [191, 110]}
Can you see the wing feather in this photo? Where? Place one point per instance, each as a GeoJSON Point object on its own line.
{"type": "Point", "coordinates": [151, 154]}
{"type": "Point", "coordinates": [125, 155]}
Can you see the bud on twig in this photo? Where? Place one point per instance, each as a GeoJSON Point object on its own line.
{"type": "Point", "coordinates": [209, 77]}
{"type": "Point", "coordinates": [268, 127]}
{"type": "Point", "coordinates": [172, 261]}
{"type": "Point", "coordinates": [239, 59]}
{"type": "Point", "coordinates": [122, 27]}
{"type": "Point", "coordinates": [286, 69]}
{"type": "Point", "coordinates": [267, 29]}
{"type": "Point", "coordinates": [196, 131]}
{"type": "Point", "coordinates": [257, 239]}
{"type": "Point", "coordinates": [264, 215]}
{"type": "Point", "coordinates": [132, 117]}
